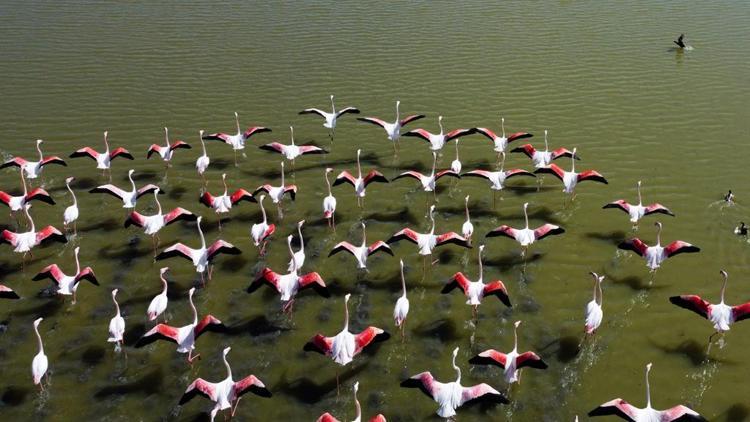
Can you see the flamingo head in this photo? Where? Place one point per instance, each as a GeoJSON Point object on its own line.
{"type": "Point", "coordinates": [282, 165]}
{"type": "Point", "coordinates": [466, 199]}
{"type": "Point", "coordinates": [525, 206]}
{"type": "Point", "coordinates": [517, 323]}
{"type": "Point", "coordinates": [166, 131]}
{"type": "Point", "coordinates": [300, 223]}
{"type": "Point", "coordinates": [481, 248]}
{"type": "Point", "coordinates": [114, 293]}
{"type": "Point", "coordinates": [200, 133]}
{"type": "Point", "coordinates": [359, 151]}
{"type": "Point", "coordinates": [163, 270]}
{"type": "Point", "coordinates": [69, 180]}
{"type": "Point", "coordinates": [223, 176]}
{"type": "Point", "coordinates": [597, 277]}
{"type": "Point", "coordinates": [289, 239]}
{"type": "Point", "coordinates": [648, 367]}
{"type": "Point", "coordinates": [76, 250]}
{"type": "Point", "coordinates": [639, 183]}
{"type": "Point", "coordinates": [27, 206]}
{"type": "Point", "coordinates": [363, 224]}
{"type": "Point", "coordinates": [105, 134]}
{"type": "Point", "coordinates": [455, 353]}
{"type": "Point", "coordinates": [262, 197]}
{"type": "Point", "coordinates": [440, 119]}
{"type": "Point", "coordinates": [724, 274]}
{"type": "Point", "coordinates": [156, 191]}
{"type": "Point", "coordinates": [39, 142]}
{"type": "Point", "coordinates": [130, 172]}
{"type": "Point", "coordinates": [356, 387]}
{"type": "Point", "coordinates": [226, 351]}
{"type": "Point", "coordinates": [200, 217]}
{"type": "Point", "coordinates": [192, 289]}
{"type": "Point", "coordinates": [658, 224]}
{"type": "Point", "coordinates": [346, 298]}
{"type": "Point", "coordinates": [328, 170]}
{"type": "Point", "coordinates": [37, 321]}
{"type": "Point", "coordinates": [331, 97]}
{"type": "Point", "coordinates": [401, 261]}
{"type": "Point", "coordinates": [574, 151]}
{"type": "Point", "coordinates": [398, 103]}
{"type": "Point", "coordinates": [236, 116]}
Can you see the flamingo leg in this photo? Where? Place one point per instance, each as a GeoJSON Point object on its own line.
{"type": "Point", "coordinates": [338, 389]}
{"type": "Point", "coordinates": [75, 228]}
{"type": "Point", "coordinates": [403, 331]}
{"type": "Point", "coordinates": [191, 358]}
{"type": "Point", "coordinates": [475, 313]}
{"type": "Point", "coordinates": [235, 159]}
{"type": "Point", "coordinates": [210, 271]}
{"type": "Point", "coordinates": [237, 403]}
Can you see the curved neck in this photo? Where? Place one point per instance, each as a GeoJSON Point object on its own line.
{"type": "Point", "coordinates": [364, 236]}
{"type": "Point", "coordinates": [203, 145]}
{"type": "Point", "coordinates": [163, 283]}
{"type": "Point", "coordinates": [263, 211]}
{"type": "Point", "coordinates": [301, 239]}
{"type": "Point", "coordinates": [526, 216]}
{"type": "Point", "coordinates": [195, 311]}
{"type": "Point", "coordinates": [328, 182]}
{"type": "Point", "coordinates": [75, 201]}
{"type": "Point", "coordinates": [432, 229]}
{"type": "Point", "coordinates": [291, 252]}
{"type": "Point", "coordinates": [26, 189]}
{"type": "Point", "coordinates": [229, 369]}
{"type": "Point", "coordinates": [39, 148]}
{"type": "Point", "coordinates": [203, 239]}
{"type": "Point", "coordinates": [648, 390]}
{"type": "Point", "coordinates": [78, 264]}
{"type": "Point", "coordinates": [515, 337]}
{"type": "Point", "coordinates": [601, 293]}
{"type": "Point", "coordinates": [357, 407]}
{"type": "Point", "coordinates": [440, 124]}
{"type": "Point", "coordinates": [292, 135]}
{"type": "Point", "coordinates": [106, 144]}
{"type": "Point", "coordinates": [31, 221]}
{"type": "Point", "coordinates": [39, 339]}
{"type": "Point", "coordinates": [237, 120]}
{"type": "Point", "coordinates": [458, 370]}
{"type": "Point", "coordinates": [117, 305]}
{"type": "Point", "coordinates": [346, 314]}
{"type": "Point", "coordinates": [158, 204]}
{"type": "Point", "coordinates": [434, 163]}
{"type": "Point", "coordinates": [166, 137]}
{"type": "Point", "coordinates": [132, 183]}
{"type": "Point", "coordinates": [466, 207]}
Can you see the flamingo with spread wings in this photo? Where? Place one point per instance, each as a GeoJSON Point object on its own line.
{"type": "Point", "coordinates": [438, 140]}
{"type": "Point", "coordinates": [475, 291]}
{"type": "Point", "coordinates": [67, 284]}
{"type": "Point", "coordinates": [34, 168]}
{"type": "Point", "coordinates": [103, 159]}
{"type": "Point", "coordinates": [393, 130]}
{"type": "Point", "coordinates": [638, 211]}
{"type": "Point", "coordinates": [511, 362]}
{"type": "Point", "coordinates": [655, 255]}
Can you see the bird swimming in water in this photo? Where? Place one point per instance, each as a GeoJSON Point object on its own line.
{"type": "Point", "coordinates": [680, 41]}
{"type": "Point", "coordinates": [729, 197]}
{"type": "Point", "coordinates": [741, 230]}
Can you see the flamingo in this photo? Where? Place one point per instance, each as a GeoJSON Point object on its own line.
{"type": "Point", "coordinates": [359, 183]}
{"type": "Point", "coordinates": [594, 311]}
{"type": "Point", "coordinates": [260, 232]}
{"type": "Point", "coordinates": [344, 346]}
{"type": "Point", "coordinates": [237, 141]}
{"type": "Point", "coordinates": [628, 412]}
{"type": "Point", "coordinates": [657, 254]}
{"type": "Point", "coordinates": [393, 130]}
{"type": "Point", "coordinates": [467, 229]}
{"type": "Point", "coordinates": [116, 324]}
{"type": "Point", "coordinates": [67, 284]}
{"type": "Point", "coordinates": [476, 290]}
{"type": "Point", "coordinates": [151, 224]}
{"type": "Point", "coordinates": [221, 204]}
{"type": "Point", "coordinates": [7, 293]}
{"type": "Point", "coordinates": [40, 363]}
{"type": "Point", "coordinates": [497, 178]}
{"type": "Point", "coordinates": [184, 336]}
{"type": "Point", "coordinates": [438, 140]}
{"type": "Point", "coordinates": [570, 178]}
{"type": "Point", "coordinates": [298, 258]}
{"type": "Point", "coordinates": [33, 168]}
{"type": "Point", "coordinates": [526, 236]}
{"type": "Point", "coordinates": [426, 242]}
{"type": "Point", "coordinates": [292, 151]}
{"type": "Point", "coordinates": [720, 314]}
{"type": "Point", "coordinates": [363, 251]}
{"type": "Point", "coordinates": [401, 311]}
{"type": "Point", "coordinates": [452, 395]}
{"type": "Point", "coordinates": [159, 303]}
{"type": "Point", "coordinates": [544, 158]}
{"type": "Point", "coordinates": [329, 203]}
{"type": "Point", "coordinates": [17, 203]}
{"type": "Point", "coordinates": [327, 417]}
{"type": "Point", "coordinates": [201, 164]}
{"type": "Point", "coordinates": [167, 151]}
{"type": "Point", "coordinates": [638, 211]}
{"type": "Point", "coordinates": [456, 165]}
{"type": "Point", "coordinates": [276, 193]}
{"type": "Point", "coordinates": [511, 362]}
{"type": "Point", "coordinates": [428, 180]}
{"type": "Point", "coordinates": [70, 215]}
{"type": "Point", "coordinates": [201, 257]}
{"type": "Point", "coordinates": [23, 242]}
{"type": "Point", "coordinates": [103, 159]}
{"type": "Point", "coordinates": [501, 142]}
{"type": "Point", "coordinates": [226, 394]}
{"type": "Point", "coordinates": [289, 284]}
{"type": "Point", "coordinates": [128, 198]}
{"type": "Point", "coordinates": [332, 117]}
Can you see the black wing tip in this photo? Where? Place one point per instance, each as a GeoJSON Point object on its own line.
{"type": "Point", "coordinates": [481, 360]}
{"type": "Point", "coordinates": [261, 391]}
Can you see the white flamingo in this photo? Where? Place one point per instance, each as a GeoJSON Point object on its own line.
{"type": "Point", "coordinates": [393, 130]}
{"type": "Point", "coordinates": [159, 303]}
{"type": "Point", "coordinates": [128, 198]}
{"type": "Point", "coordinates": [511, 362]}
{"type": "Point", "coordinates": [116, 325]}
{"type": "Point", "coordinates": [594, 313]}
{"type": "Point", "coordinates": [70, 215]}
{"type": "Point", "coordinates": [329, 203]}
{"type": "Point", "coordinates": [40, 363]}
{"type": "Point", "coordinates": [332, 117]}
{"type": "Point", "coordinates": [201, 164]}
{"type": "Point", "coordinates": [401, 311]}
{"type": "Point", "coordinates": [260, 232]}
{"type": "Point", "coordinates": [298, 258]}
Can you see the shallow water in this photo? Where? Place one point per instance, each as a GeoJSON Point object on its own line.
{"type": "Point", "coordinates": [601, 77]}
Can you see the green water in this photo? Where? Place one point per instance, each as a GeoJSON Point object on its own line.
{"type": "Point", "coordinates": [600, 76]}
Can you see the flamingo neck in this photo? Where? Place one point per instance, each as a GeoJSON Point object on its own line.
{"type": "Point", "coordinates": [502, 163]}
{"type": "Point", "coordinates": [26, 189]}
{"type": "Point", "coordinates": [164, 284]}
{"type": "Point", "coordinates": [158, 204]}
{"type": "Point", "coordinates": [106, 144]}
{"type": "Point", "coordinates": [440, 123]}
{"type": "Point", "coordinates": [78, 264]}
{"type": "Point", "coordinates": [346, 314]}
{"type": "Point", "coordinates": [466, 207]}
{"type": "Point", "coordinates": [328, 182]}
{"type": "Point", "coordinates": [229, 368]}
{"type": "Point", "coordinates": [195, 311]}
{"type": "Point", "coordinates": [398, 116]}
{"type": "Point", "coordinates": [364, 236]}
{"type": "Point", "coordinates": [359, 167]}
{"type": "Point", "coordinates": [515, 337]}
{"type": "Point", "coordinates": [38, 148]}
{"type": "Point", "coordinates": [723, 289]}
{"type": "Point", "coordinates": [132, 183]}
{"type": "Point", "coordinates": [546, 146]}
{"type": "Point", "coordinates": [237, 120]}
{"type": "Point", "coordinates": [166, 137]}
{"type": "Point", "coordinates": [434, 162]}
{"type": "Point", "coordinates": [291, 252]}
{"type": "Point", "coordinates": [403, 280]}
{"type": "Point", "coordinates": [333, 107]}
{"type": "Point", "coordinates": [282, 175]}
{"type": "Point", "coordinates": [526, 216]}
{"type": "Point", "coordinates": [573, 162]}
{"type": "Point", "coordinates": [203, 239]}
{"type": "Point", "coordinates": [601, 293]}
{"type": "Point", "coordinates": [648, 390]}
{"type": "Point", "coordinates": [301, 239]}
{"type": "Point", "coordinates": [31, 221]}
{"type": "Point", "coordinates": [263, 211]}
{"type": "Point", "coordinates": [457, 149]}
{"type": "Point", "coordinates": [75, 200]}
{"type": "Point", "coordinates": [117, 305]}
{"type": "Point", "coordinates": [640, 201]}
{"type": "Point", "coordinates": [39, 340]}
{"type": "Point", "coordinates": [292, 130]}
{"type": "Point", "coordinates": [357, 407]}
{"type": "Point", "coordinates": [432, 229]}
{"type": "Point", "coordinates": [502, 125]}
{"type": "Point", "coordinates": [481, 267]}
{"type": "Point", "coordinates": [224, 181]}
{"type": "Point", "coordinates": [203, 145]}
{"type": "Point", "coordinates": [458, 370]}
{"type": "Point", "coordinates": [658, 236]}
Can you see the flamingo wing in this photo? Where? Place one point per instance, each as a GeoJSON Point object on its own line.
{"type": "Point", "coordinates": [411, 173]}
{"type": "Point", "coordinates": [242, 195]}
{"type": "Point", "coordinates": [425, 382]}
{"type": "Point", "coordinates": [208, 323]}
{"type": "Point", "coordinates": [620, 204]}
{"type": "Point", "coordinates": [160, 332]}
{"type": "Point", "coordinates": [319, 112]}
{"type": "Point", "coordinates": [373, 120]}
{"type": "Point", "coordinates": [692, 303]}
{"type": "Point", "coordinates": [452, 237]}
{"type": "Point", "coordinates": [374, 176]}
{"type": "Point", "coordinates": [88, 275]}
{"type": "Point", "coordinates": [352, 110]}
{"type": "Point", "coordinates": [326, 417]}
{"type": "Point", "coordinates": [563, 152]}
{"type": "Point", "coordinates": [5, 198]}
{"type": "Point", "coordinates": [179, 144]}
{"type": "Point", "coordinates": [153, 149]}
{"type": "Point", "coordinates": [530, 359]}
{"type": "Point", "coordinates": [419, 133]}
{"type": "Point", "coordinates": [262, 188]}
{"type": "Point", "coordinates": [311, 149]}
{"type": "Point", "coordinates": [7, 293]}
{"type": "Point", "coordinates": [85, 152]}
{"type": "Point", "coordinates": [681, 413]}
{"type": "Point", "coordinates": [527, 149]}
{"type": "Point", "coordinates": [657, 208]}
{"type": "Point", "coordinates": [741, 312]}
{"type": "Point", "coordinates": [497, 288]}
{"type": "Point", "coordinates": [291, 190]}
{"type": "Point", "coordinates": [17, 161]}
{"type": "Point", "coordinates": [206, 199]}
{"type": "Point", "coordinates": [120, 152]}
{"type": "Point", "coordinates": [148, 189]}
{"type": "Point", "coordinates": [617, 407]}
{"type": "Point", "coordinates": [678, 247]}
{"type": "Point", "coordinates": [251, 383]}
{"type": "Point", "coordinates": [518, 172]}
{"type": "Point", "coordinates": [503, 230]}
{"type": "Point", "coordinates": [253, 130]}
{"type": "Point", "coordinates": [592, 175]}
{"type": "Point", "coordinates": [9, 237]}
{"type": "Point", "coordinates": [224, 137]}
{"type": "Point", "coordinates": [50, 233]}
{"type": "Point", "coordinates": [447, 172]}
{"type": "Point", "coordinates": [221, 246]}
{"type": "Point", "coordinates": [345, 177]}
{"type": "Point", "coordinates": [367, 336]}
{"type": "Point", "coordinates": [482, 392]}
{"type": "Point", "coordinates": [178, 249]}
{"type": "Point", "coordinates": [53, 160]}
{"type": "Point", "coordinates": [490, 357]}
{"type": "Point", "coordinates": [53, 272]}
{"type": "Point", "coordinates": [405, 234]}
{"type": "Point", "coordinates": [315, 281]}
{"type": "Point", "coordinates": [274, 147]}
{"type": "Point", "coordinates": [378, 418]}
{"type": "Point", "coordinates": [414, 117]}
{"type": "Point", "coordinates": [487, 132]}
{"type": "Point", "coordinates": [552, 169]}
{"type": "Point", "coordinates": [268, 276]}
{"type": "Point", "coordinates": [110, 189]}
{"type": "Point", "coordinates": [479, 173]}
{"type": "Point", "coordinates": [343, 246]}
{"type": "Point", "coordinates": [458, 280]}
{"type": "Point", "coordinates": [179, 213]}
{"type": "Point", "coordinates": [40, 194]}
{"type": "Point", "coordinates": [519, 135]}
{"type": "Point", "coordinates": [636, 245]}
{"type": "Point", "coordinates": [135, 218]}
{"type": "Point", "coordinates": [379, 246]}
{"type": "Point", "coordinates": [459, 133]}
{"type": "Point", "coordinates": [547, 230]}
{"type": "Point", "coordinates": [320, 344]}
{"type": "Point", "coordinates": [200, 387]}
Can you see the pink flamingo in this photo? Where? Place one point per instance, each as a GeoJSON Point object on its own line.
{"type": "Point", "coordinates": [362, 252]}
{"type": "Point", "coordinates": [103, 159]}
{"type": "Point", "coordinates": [359, 183]}
{"type": "Point", "coordinates": [17, 203]}
{"type": "Point", "coordinates": [657, 254]}
{"type": "Point", "coordinates": [327, 417]}
{"type": "Point", "coordinates": [33, 168]}
{"type": "Point", "coordinates": [501, 142]}
{"type": "Point", "coordinates": [23, 242]}
{"type": "Point", "coordinates": [475, 291]}
{"type": "Point", "coordinates": [67, 284]}
{"type": "Point", "coordinates": [511, 362]}
{"type": "Point", "coordinates": [438, 140]}
{"type": "Point", "coordinates": [167, 151]}
{"type": "Point", "coordinates": [393, 130]}
{"type": "Point", "coordinates": [638, 211]}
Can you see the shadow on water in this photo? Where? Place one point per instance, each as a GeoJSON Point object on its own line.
{"type": "Point", "coordinates": [177, 192]}
{"type": "Point", "coordinates": [108, 225]}
{"type": "Point", "coordinates": [46, 309]}
{"type": "Point", "coordinates": [634, 282]}
{"type": "Point", "coordinates": [128, 253]}
{"type": "Point", "coordinates": [14, 395]}
{"type": "Point", "coordinates": [141, 175]}
{"type": "Point", "coordinates": [402, 216]}
{"type": "Point", "coordinates": [234, 263]}
{"type": "Point", "coordinates": [691, 349]}
{"type": "Point", "coordinates": [443, 329]}
{"type": "Point", "coordinates": [564, 349]}
{"type": "Point", "coordinates": [255, 327]}
{"type": "Point", "coordinates": [508, 262]}
{"type": "Point", "coordinates": [93, 355]}
{"type": "Point", "coordinates": [614, 237]}
{"type": "Point", "coordinates": [150, 383]}
{"type": "Point", "coordinates": [736, 412]}
{"type": "Point", "coordinates": [308, 391]}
